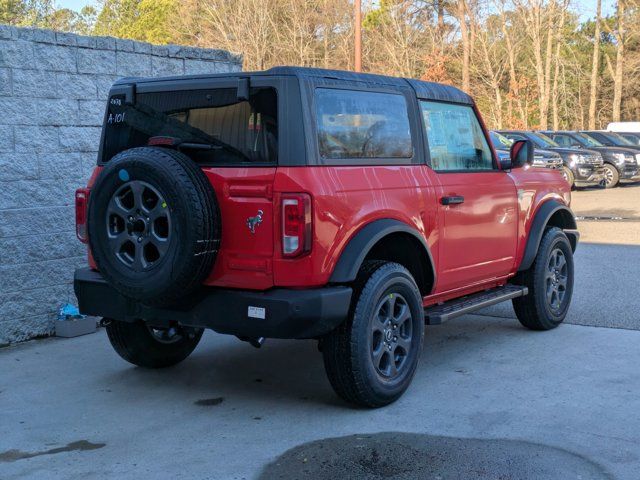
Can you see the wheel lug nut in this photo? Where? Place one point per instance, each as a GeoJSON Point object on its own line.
{"type": "Point", "coordinates": [395, 339]}
{"type": "Point", "coordinates": [139, 239]}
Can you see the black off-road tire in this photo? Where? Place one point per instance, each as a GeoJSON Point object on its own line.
{"type": "Point", "coordinates": [136, 343]}
{"type": "Point", "coordinates": [348, 350]}
{"type": "Point", "coordinates": [193, 231]}
{"type": "Point", "coordinates": [535, 310]}
{"type": "Point", "coordinates": [612, 176]}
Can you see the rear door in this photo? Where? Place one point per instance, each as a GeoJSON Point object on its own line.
{"type": "Point", "coordinates": [477, 201]}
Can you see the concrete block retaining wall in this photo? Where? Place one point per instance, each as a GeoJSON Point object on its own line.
{"type": "Point", "coordinates": [53, 91]}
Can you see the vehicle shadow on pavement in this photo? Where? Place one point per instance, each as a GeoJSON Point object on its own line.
{"type": "Point", "coordinates": [291, 371]}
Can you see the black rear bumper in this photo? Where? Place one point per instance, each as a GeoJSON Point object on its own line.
{"type": "Point", "coordinates": [276, 313]}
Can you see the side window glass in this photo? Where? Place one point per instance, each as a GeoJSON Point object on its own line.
{"type": "Point", "coordinates": [356, 124]}
{"type": "Point", "coordinates": [456, 140]}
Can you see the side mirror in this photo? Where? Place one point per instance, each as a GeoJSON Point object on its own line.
{"type": "Point", "coordinates": [521, 153]}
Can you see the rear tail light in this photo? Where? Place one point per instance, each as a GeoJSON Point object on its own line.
{"type": "Point", "coordinates": [82, 200]}
{"type": "Point", "coordinates": [296, 224]}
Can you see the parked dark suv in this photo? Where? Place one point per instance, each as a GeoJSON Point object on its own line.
{"type": "Point", "coordinates": [613, 139]}
{"type": "Point", "coordinates": [619, 163]}
{"type": "Point", "coordinates": [319, 204]}
{"type": "Point", "coordinates": [541, 158]}
{"type": "Point", "coordinates": [583, 168]}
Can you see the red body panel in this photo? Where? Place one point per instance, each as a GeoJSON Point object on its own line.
{"type": "Point", "coordinates": [474, 245]}
{"type": "Point", "coordinates": [245, 259]}
{"type": "Point", "coordinates": [479, 235]}
{"type": "Point", "coordinates": [534, 187]}
{"type": "Point", "coordinates": [345, 199]}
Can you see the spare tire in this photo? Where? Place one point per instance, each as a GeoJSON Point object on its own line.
{"type": "Point", "coordinates": [153, 225]}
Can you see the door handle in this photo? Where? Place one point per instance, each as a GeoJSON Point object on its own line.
{"type": "Point", "coordinates": [453, 200]}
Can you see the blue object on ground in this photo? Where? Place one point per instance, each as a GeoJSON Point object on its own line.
{"type": "Point", "coordinates": [69, 312]}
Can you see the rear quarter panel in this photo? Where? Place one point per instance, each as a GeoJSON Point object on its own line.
{"type": "Point", "coordinates": [345, 199]}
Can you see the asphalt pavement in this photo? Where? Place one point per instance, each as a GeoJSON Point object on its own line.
{"type": "Point", "coordinates": [606, 288]}
{"type": "Point", "coordinates": [609, 216]}
{"type": "Point", "coordinates": [486, 392]}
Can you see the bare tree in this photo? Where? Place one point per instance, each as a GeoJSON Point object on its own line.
{"type": "Point", "coordinates": [620, 36]}
{"type": "Point", "coordinates": [557, 58]}
{"type": "Point", "coordinates": [526, 61]}
{"type": "Point", "coordinates": [492, 69]}
{"type": "Point", "coordinates": [511, 46]}
{"type": "Point", "coordinates": [465, 36]}
{"type": "Point", "coordinates": [595, 65]}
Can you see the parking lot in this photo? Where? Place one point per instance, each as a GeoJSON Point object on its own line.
{"type": "Point", "coordinates": [609, 216]}
{"type": "Point", "coordinates": [490, 399]}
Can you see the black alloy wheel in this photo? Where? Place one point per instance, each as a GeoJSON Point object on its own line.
{"type": "Point", "coordinates": [556, 280]}
{"type": "Point", "coordinates": [391, 335]}
{"type": "Point", "coordinates": [138, 225]}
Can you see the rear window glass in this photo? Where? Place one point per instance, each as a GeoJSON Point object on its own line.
{"type": "Point", "coordinates": [213, 126]}
{"type": "Point", "coordinates": [355, 124]}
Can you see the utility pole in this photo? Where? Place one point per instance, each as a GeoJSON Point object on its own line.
{"type": "Point", "coordinates": [358, 35]}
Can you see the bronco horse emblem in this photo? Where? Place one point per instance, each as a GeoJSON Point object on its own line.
{"type": "Point", "coordinates": [253, 222]}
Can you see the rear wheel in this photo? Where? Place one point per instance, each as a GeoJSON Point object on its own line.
{"type": "Point", "coordinates": [550, 283]}
{"type": "Point", "coordinates": [611, 176]}
{"type": "Point", "coordinates": [371, 358]}
{"type": "Point", "coordinates": [152, 347]}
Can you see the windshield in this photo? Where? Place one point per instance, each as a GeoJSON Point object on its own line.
{"type": "Point", "coordinates": [213, 126]}
{"type": "Point", "coordinates": [587, 141]}
{"type": "Point", "coordinates": [500, 141]}
{"type": "Point", "coordinates": [618, 140]}
{"type": "Point", "coordinates": [542, 140]}
{"type": "Point", "coordinates": [633, 138]}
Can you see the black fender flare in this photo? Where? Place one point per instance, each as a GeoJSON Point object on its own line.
{"type": "Point", "coordinates": [362, 242]}
{"type": "Point", "coordinates": [538, 225]}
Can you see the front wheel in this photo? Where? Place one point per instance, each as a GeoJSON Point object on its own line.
{"type": "Point", "coordinates": [371, 358]}
{"type": "Point", "coordinates": [550, 283]}
{"type": "Point", "coordinates": [611, 176]}
{"type": "Point", "coordinates": [152, 347]}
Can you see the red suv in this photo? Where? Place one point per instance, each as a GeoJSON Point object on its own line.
{"type": "Point", "coordinates": [303, 203]}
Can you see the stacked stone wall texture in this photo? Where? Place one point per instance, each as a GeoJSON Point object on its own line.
{"type": "Point", "coordinates": [53, 91]}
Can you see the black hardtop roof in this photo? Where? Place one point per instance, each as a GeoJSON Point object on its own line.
{"type": "Point", "coordinates": [425, 90]}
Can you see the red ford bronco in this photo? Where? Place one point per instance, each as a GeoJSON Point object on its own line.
{"type": "Point", "coordinates": [303, 203]}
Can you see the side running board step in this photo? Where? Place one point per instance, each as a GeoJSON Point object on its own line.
{"type": "Point", "coordinates": [438, 314]}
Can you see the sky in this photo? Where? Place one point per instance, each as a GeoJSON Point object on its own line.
{"type": "Point", "coordinates": [586, 8]}
{"type": "Point", "coordinates": [74, 4]}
